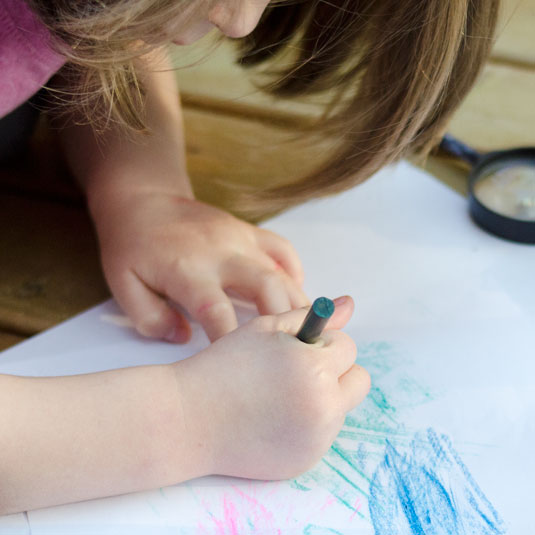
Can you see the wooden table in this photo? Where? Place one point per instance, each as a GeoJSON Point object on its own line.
{"type": "Point", "coordinates": [49, 267]}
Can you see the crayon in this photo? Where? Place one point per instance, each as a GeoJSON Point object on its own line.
{"type": "Point", "coordinates": [316, 319]}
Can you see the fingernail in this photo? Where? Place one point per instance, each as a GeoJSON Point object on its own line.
{"type": "Point", "coordinates": [183, 336]}
{"type": "Point", "coordinates": [340, 300]}
{"type": "Point", "coordinates": [170, 336]}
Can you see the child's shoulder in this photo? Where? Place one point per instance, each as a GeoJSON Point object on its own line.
{"type": "Point", "coordinates": [27, 60]}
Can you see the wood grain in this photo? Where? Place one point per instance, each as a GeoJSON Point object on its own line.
{"type": "Point", "coordinates": [516, 33]}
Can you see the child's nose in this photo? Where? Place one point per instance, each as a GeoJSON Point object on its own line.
{"type": "Point", "coordinates": [237, 18]}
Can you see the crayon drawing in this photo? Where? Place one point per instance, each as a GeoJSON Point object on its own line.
{"type": "Point", "coordinates": [379, 477]}
{"type": "Point", "coordinates": [429, 490]}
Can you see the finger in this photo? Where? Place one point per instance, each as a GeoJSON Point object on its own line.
{"type": "Point", "coordinates": [283, 252]}
{"type": "Point", "coordinates": [151, 314]}
{"type": "Point", "coordinates": [255, 282]}
{"type": "Point", "coordinates": [290, 322]}
{"type": "Point", "coordinates": [341, 351]}
{"type": "Point", "coordinates": [355, 385]}
{"type": "Point", "coordinates": [298, 298]}
{"type": "Point", "coordinates": [208, 304]}
{"type": "Point", "coordinates": [344, 307]}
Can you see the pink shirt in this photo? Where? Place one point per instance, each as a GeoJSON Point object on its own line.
{"type": "Point", "coordinates": [26, 60]}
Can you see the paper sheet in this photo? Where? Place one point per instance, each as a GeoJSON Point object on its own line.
{"type": "Point", "coordinates": [444, 322]}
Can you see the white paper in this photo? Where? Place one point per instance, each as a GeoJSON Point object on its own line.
{"type": "Point", "coordinates": [444, 322]}
{"type": "Point", "coordinates": [14, 524]}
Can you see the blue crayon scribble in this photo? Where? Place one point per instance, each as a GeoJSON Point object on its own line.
{"type": "Point", "coordinates": [429, 491]}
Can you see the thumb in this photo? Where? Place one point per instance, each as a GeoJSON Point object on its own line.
{"type": "Point", "coordinates": [344, 307]}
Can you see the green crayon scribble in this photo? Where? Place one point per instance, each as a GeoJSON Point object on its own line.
{"type": "Point", "coordinates": [311, 529]}
{"type": "Point", "coordinates": [338, 450]}
{"type": "Point", "coordinates": [347, 468]}
{"type": "Point", "coordinates": [345, 478]}
{"type": "Point", "coordinates": [296, 485]}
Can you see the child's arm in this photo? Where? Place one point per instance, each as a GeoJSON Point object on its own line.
{"type": "Point", "coordinates": [158, 243]}
{"type": "Point", "coordinates": [257, 403]}
{"type": "Point", "coordinates": [67, 439]}
{"type": "Point", "coordinates": [155, 162]}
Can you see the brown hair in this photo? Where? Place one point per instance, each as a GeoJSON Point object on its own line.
{"type": "Point", "coordinates": [101, 40]}
{"type": "Point", "coordinates": [395, 70]}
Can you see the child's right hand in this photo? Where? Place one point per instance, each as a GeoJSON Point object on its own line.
{"type": "Point", "coordinates": [259, 403]}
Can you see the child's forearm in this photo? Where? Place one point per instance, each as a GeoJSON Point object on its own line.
{"type": "Point", "coordinates": [119, 163]}
{"type": "Point", "coordinates": [66, 439]}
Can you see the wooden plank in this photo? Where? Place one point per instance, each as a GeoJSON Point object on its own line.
{"type": "Point", "coordinates": [224, 151]}
{"type": "Point", "coordinates": [516, 33]}
{"type": "Point", "coordinates": [49, 269]}
{"type": "Point", "coordinates": [499, 112]}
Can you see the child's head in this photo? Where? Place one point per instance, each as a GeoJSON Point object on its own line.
{"type": "Point", "coordinates": [82, 23]}
{"type": "Point", "coordinates": [395, 69]}
{"type": "Point", "coordinates": [234, 18]}
{"type": "Point", "coordinates": [102, 38]}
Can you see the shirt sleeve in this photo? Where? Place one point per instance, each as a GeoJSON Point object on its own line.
{"type": "Point", "coordinates": [27, 60]}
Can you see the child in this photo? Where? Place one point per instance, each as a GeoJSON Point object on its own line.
{"type": "Point", "coordinates": [396, 71]}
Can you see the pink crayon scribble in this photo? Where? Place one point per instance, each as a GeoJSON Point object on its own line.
{"type": "Point", "coordinates": [231, 516]}
{"type": "Point", "coordinates": [357, 506]}
{"type": "Point", "coordinates": [229, 524]}
{"type": "Point", "coordinates": [262, 517]}
{"type": "Point", "coordinates": [330, 500]}
{"type": "Point", "coordinates": [241, 513]}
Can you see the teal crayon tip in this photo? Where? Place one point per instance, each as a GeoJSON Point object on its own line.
{"type": "Point", "coordinates": [323, 307]}
{"type": "Point", "coordinates": [316, 319]}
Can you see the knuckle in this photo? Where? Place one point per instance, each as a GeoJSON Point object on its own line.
{"type": "Point", "coordinates": [184, 264]}
{"type": "Point", "coordinates": [269, 280]}
{"type": "Point", "coordinates": [214, 310]}
{"type": "Point", "coordinates": [285, 243]}
{"type": "Point", "coordinates": [151, 325]}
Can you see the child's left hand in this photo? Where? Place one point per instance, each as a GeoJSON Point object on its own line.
{"type": "Point", "coordinates": [157, 243]}
{"type": "Point", "coordinates": [157, 246]}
